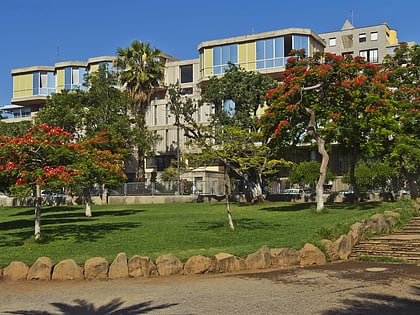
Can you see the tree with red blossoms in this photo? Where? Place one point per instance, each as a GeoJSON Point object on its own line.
{"type": "Point", "coordinates": [345, 99]}
{"type": "Point", "coordinates": [46, 158]}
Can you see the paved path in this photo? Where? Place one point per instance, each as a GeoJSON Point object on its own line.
{"type": "Point", "coordinates": [342, 288]}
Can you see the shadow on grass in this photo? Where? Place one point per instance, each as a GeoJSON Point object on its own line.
{"type": "Point", "coordinates": [80, 233]}
{"type": "Point", "coordinates": [112, 308]}
{"type": "Point", "coordinates": [376, 304]}
{"type": "Point", "coordinates": [242, 223]}
{"type": "Point", "coordinates": [289, 207]}
{"type": "Point", "coordinates": [64, 226]}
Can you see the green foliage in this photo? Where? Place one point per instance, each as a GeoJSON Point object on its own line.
{"type": "Point", "coordinates": [229, 137]}
{"type": "Point", "coordinates": [374, 176]}
{"type": "Point", "coordinates": [184, 230]}
{"type": "Point", "coordinates": [169, 174]}
{"type": "Point", "coordinates": [16, 129]}
{"type": "Point", "coordinates": [307, 174]}
{"type": "Point", "coordinates": [355, 103]}
{"type": "Point", "coordinates": [141, 72]}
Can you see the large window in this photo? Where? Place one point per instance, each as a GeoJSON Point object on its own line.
{"type": "Point", "coordinates": [222, 55]}
{"type": "Point", "coordinates": [43, 83]}
{"type": "Point", "coordinates": [270, 53]}
{"type": "Point", "coordinates": [370, 55]}
{"type": "Point", "coordinates": [186, 73]}
{"type": "Point", "coordinates": [73, 78]}
{"type": "Point", "coordinates": [301, 42]}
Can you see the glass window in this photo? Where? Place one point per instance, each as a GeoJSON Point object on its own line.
{"type": "Point", "coordinates": [222, 55]}
{"type": "Point", "coordinates": [301, 42]}
{"type": "Point", "coordinates": [370, 55]}
{"type": "Point", "coordinates": [270, 53]}
{"type": "Point", "coordinates": [374, 36]}
{"type": "Point", "coordinates": [362, 38]}
{"type": "Point", "coordinates": [332, 41]}
{"type": "Point", "coordinates": [186, 73]}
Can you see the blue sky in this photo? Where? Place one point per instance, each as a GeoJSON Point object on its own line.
{"type": "Point", "coordinates": [42, 32]}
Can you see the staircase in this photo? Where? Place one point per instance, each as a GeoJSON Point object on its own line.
{"type": "Point", "coordinates": [403, 244]}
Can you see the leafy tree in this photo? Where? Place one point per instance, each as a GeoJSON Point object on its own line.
{"type": "Point", "coordinates": [402, 147]}
{"type": "Point", "coordinates": [230, 138]}
{"type": "Point", "coordinates": [46, 158]}
{"type": "Point", "coordinates": [307, 174]}
{"type": "Point", "coordinates": [349, 96]}
{"type": "Point", "coordinates": [16, 129]}
{"type": "Point", "coordinates": [141, 72]}
{"type": "Point", "coordinates": [85, 113]}
{"type": "Point", "coordinates": [39, 159]}
{"type": "Point", "coordinates": [374, 175]}
{"type": "Point", "coordinates": [99, 161]}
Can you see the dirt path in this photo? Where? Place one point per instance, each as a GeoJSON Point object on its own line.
{"type": "Point", "coordinates": [343, 288]}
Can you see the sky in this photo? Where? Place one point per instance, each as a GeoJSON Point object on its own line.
{"type": "Point", "coordinates": [43, 32]}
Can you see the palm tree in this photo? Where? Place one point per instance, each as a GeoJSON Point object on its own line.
{"type": "Point", "coordinates": [141, 71]}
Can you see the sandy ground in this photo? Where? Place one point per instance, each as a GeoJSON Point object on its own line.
{"type": "Point", "coordinates": [341, 288]}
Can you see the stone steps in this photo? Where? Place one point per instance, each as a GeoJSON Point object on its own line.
{"type": "Point", "coordinates": [403, 244]}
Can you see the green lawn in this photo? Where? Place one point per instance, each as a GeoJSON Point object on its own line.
{"type": "Point", "coordinates": [181, 229]}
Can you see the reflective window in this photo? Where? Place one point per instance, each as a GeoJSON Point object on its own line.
{"type": "Point", "coordinates": [186, 73]}
{"type": "Point", "coordinates": [270, 53]}
{"type": "Point", "coordinates": [222, 55]}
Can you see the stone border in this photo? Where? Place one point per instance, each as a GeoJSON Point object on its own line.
{"type": "Point", "coordinates": [142, 266]}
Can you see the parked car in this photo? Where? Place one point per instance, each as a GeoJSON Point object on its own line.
{"type": "Point", "coordinates": [46, 193]}
{"type": "Point", "coordinates": [3, 195]}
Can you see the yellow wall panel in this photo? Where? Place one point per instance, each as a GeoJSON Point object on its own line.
{"type": "Point", "coordinates": [252, 55]}
{"type": "Point", "coordinates": [60, 80]}
{"type": "Point", "coordinates": [208, 62]}
{"type": "Point", "coordinates": [23, 85]}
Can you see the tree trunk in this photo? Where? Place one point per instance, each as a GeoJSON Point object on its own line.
{"type": "Point", "coordinates": [324, 163]}
{"type": "Point", "coordinates": [254, 193]}
{"type": "Point", "coordinates": [38, 201]}
{"type": "Point", "coordinates": [88, 202]}
{"type": "Point", "coordinates": [352, 176]}
{"type": "Point", "coordinates": [412, 184]}
{"type": "Point", "coordinates": [227, 195]}
{"type": "Point", "coordinates": [322, 175]}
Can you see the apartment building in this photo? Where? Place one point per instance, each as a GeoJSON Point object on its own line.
{"type": "Point", "coordinates": [371, 42]}
{"type": "Point", "coordinates": [265, 52]}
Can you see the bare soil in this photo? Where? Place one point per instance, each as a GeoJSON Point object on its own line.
{"type": "Point", "coordinates": [340, 288]}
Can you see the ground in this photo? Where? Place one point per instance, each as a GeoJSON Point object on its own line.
{"type": "Point", "coordinates": [338, 288]}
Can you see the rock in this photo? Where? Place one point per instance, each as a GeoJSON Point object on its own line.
{"type": "Point", "coordinates": [169, 264]}
{"type": "Point", "coordinates": [332, 249]}
{"type": "Point", "coordinates": [96, 268]}
{"type": "Point", "coordinates": [225, 262]}
{"type": "Point", "coordinates": [198, 264]}
{"type": "Point", "coordinates": [67, 270]}
{"type": "Point", "coordinates": [371, 226]}
{"type": "Point", "coordinates": [229, 263]}
{"type": "Point", "coordinates": [382, 225]}
{"type": "Point", "coordinates": [356, 232]}
{"type": "Point", "coordinates": [259, 260]}
{"type": "Point", "coordinates": [119, 267]}
{"type": "Point", "coordinates": [1, 274]}
{"type": "Point", "coordinates": [311, 255]}
{"type": "Point", "coordinates": [284, 257]}
{"type": "Point", "coordinates": [15, 271]}
{"type": "Point", "coordinates": [139, 266]}
{"type": "Point", "coordinates": [344, 246]}
{"type": "Point", "coordinates": [41, 269]}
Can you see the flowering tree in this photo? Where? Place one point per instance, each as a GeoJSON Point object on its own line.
{"type": "Point", "coordinates": [45, 157]}
{"type": "Point", "coordinates": [348, 96]}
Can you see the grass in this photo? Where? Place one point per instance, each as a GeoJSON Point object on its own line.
{"type": "Point", "coordinates": [181, 229]}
